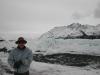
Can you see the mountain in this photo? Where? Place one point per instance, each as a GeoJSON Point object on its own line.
{"type": "Point", "coordinates": [74, 30]}
{"type": "Point", "coordinates": [74, 38]}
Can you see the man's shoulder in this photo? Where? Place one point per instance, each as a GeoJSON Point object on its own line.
{"type": "Point", "coordinates": [13, 50]}
{"type": "Point", "coordinates": [28, 49]}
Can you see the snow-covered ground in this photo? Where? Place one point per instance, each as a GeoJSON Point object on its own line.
{"type": "Point", "coordinates": [38, 68]}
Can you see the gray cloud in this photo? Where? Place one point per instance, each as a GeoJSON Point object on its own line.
{"type": "Point", "coordinates": [80, 15]}
{"type": "Point", "coordinates": [76, 16]}
{"type": "Point", "coordinates": [97, 11]}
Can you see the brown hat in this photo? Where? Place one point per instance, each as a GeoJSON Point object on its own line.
{"type": "Point", "coordinates": [21, 40]}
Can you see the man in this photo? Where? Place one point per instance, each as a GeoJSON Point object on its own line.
{"type": "Point", "coordinates": [20, 58]}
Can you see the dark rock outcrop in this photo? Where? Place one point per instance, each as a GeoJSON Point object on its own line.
{"type": "Point", "coordinates": [67, 59]}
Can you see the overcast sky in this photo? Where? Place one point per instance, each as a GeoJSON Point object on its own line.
{"type": "Point", "coordinates": [39, 16]}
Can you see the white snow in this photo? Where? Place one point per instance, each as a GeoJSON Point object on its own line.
{"type": "Point", "coordinates": [38, 68]}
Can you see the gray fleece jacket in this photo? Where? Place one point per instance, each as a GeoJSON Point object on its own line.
{"type": "Point", "coordinates": [25, 56]}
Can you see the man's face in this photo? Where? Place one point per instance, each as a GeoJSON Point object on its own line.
{"type": "Point", "coordinates": [21, 45]}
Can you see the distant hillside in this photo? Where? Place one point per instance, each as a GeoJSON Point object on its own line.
{"type": "Point", "coordinates": [8, 44]}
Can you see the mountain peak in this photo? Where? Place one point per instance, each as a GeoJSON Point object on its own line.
{"type": "Point", "coordinates": [74, 25]}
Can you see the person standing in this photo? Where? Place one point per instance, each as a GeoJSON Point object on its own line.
{"type": "Point", "coordinates": [20, 58]}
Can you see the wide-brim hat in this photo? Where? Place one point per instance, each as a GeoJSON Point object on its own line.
{"type": "Point", "coordinates": [21, 40]}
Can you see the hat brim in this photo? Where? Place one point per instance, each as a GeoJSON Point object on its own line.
{"type": "Point", "coordinates": [24, 42]}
